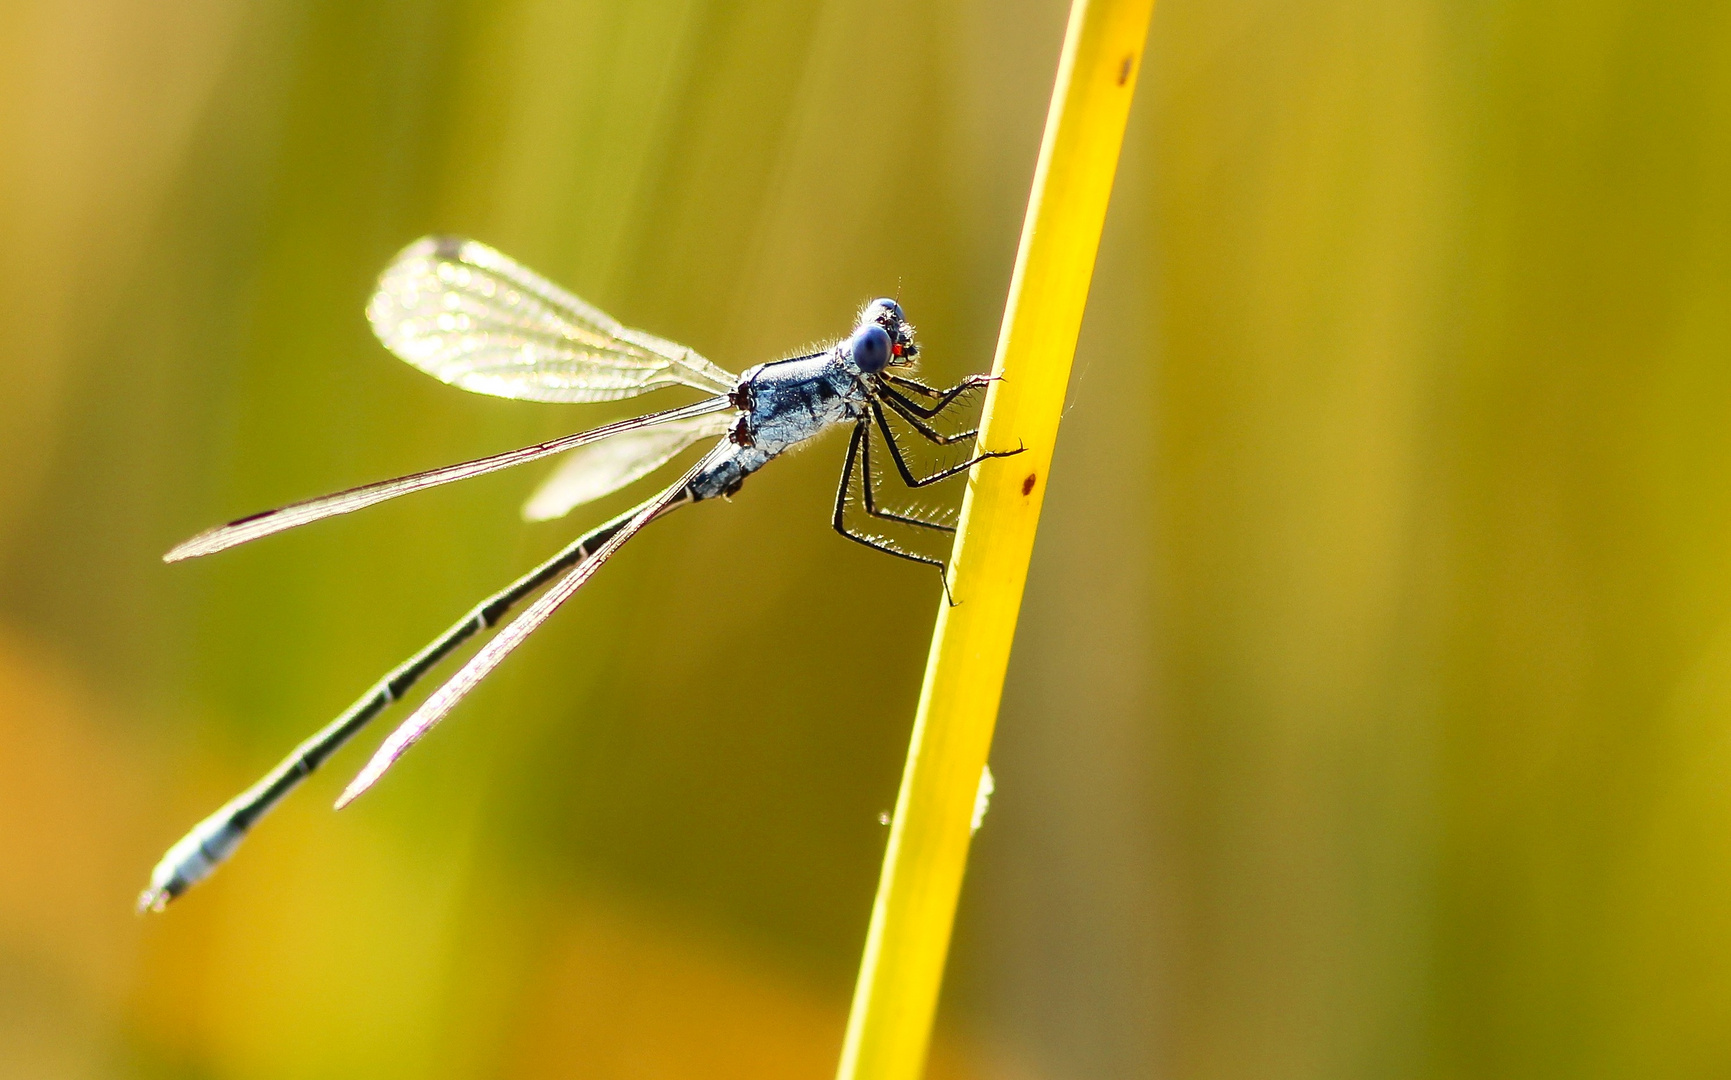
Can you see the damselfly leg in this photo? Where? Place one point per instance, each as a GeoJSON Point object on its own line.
{"type": "Point", "coordinates": [944, 397]}
{"type": "Point", "coordinates": [868, 485]}
{"type": "Point", "coordinates": [904, 408]}
{"type": "Point", "coordinates": [858, 450]}
{"type": "Point", "coordinates": [908, 476]}
{"type": "Point", "coordinates": [859, 459]}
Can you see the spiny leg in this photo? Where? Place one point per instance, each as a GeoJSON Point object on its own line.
{"type": "Point", "coordinates": [972, 382]}
{"type": "Point", "coordinates": [868, 483]}
{"type": "Point", "coordinates": [908, 476]}
{"type": "Point", "coordinates": [861, 438]}
{"type": "Point", "coordinates": [197, 854]}
{"type": "Point", "coordinates": [904, 409]}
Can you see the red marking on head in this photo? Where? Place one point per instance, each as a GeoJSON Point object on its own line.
{"type": "Point", "coordinates": [1028, 485]}
{"type": "Point", "coordinates": [896, 349]}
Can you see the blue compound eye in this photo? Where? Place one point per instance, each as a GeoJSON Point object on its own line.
{"type": "Point", "coordinates": [871, 348]}
{"type": "Point", "coordinates": [885, 312]}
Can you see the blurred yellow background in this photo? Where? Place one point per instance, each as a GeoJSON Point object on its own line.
{"type": "Point", "coordinates": [1371, 710]}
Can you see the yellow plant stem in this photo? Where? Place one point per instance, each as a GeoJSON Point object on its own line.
{"type": "Point", "coordinates": [890, 1024]}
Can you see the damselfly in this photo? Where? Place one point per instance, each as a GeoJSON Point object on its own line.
{"type": "Point", "coordinates": [468, 316]}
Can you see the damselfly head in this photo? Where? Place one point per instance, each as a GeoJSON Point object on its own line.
{"type": "Point", "coordinates": [887, 313]}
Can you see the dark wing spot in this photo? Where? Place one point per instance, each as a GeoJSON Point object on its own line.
{"type": "Point", "coordinates": [1028, 485]}
{"type": "Point", "coordinates": [1124, 70]}
{"type": "Point", "coordinates": [450, 247]}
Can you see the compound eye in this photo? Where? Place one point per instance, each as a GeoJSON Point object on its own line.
{"type": "Point", "coordinates": [885, 312]}
{"type": "Point", "coordinates": [871, 349]}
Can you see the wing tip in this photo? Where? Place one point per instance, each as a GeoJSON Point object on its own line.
{"type": "Point", "coordinates": [363, 780]}
{"type": "Point", "coordinates": [383, 758]}
{"type": "Point", "coordinates": [187, 549]}
{"type": "Point", "coordinates": [211, 541]}
{"type": "Point", "coordinates": [533, 511]}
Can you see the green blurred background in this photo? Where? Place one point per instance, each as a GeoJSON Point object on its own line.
{"type": "Point", "coordinates": [1370, 714]}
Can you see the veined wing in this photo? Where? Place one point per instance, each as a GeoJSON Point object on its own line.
{"type": "Point", "coordinates": [440, 702]}
{"type": "Point", "coordinates": [589, 472]}
{"type": "Point", "coordinates": [270, 522]}
{"type": "Point", "coordinates": [468, 316]}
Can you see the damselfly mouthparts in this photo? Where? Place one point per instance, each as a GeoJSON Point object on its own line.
{"type": "Point", "coordinates": [468, 316]}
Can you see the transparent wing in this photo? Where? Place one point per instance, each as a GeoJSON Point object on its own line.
{"type": "Point", "coordinates": [589, 472]}
{"type": "Point", "coordinates": [271, 522]}
{"type": "Point", "coordinates": [440, 702]}
{"type": "Point", "coordinates": [468, 316]}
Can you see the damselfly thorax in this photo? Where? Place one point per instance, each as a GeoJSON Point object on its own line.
{"type": "Point", "coordinates": [468, 316]}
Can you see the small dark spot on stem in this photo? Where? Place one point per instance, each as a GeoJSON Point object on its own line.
{"type": "Point", "coordinates": [1028, 484]}
{"type": "Point", "coordinates": [1124, 69]}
